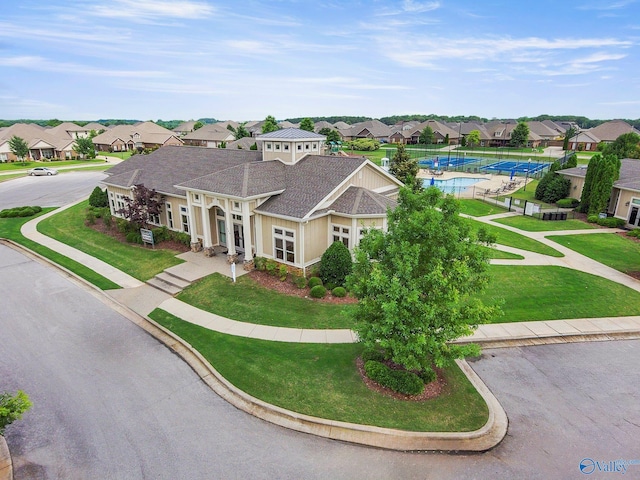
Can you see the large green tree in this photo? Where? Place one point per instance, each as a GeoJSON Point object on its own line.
{"type": "Point", "coordinates": [589, 179]}
{"type": "Point", "coordinates": [19, 147]}
{"type": "Point", "coordinates": [426, 136]}
{"type": "Point", "coordinates": [84, 147]}
{"type": "Point", "coordinates": [239, 132]}
{"type": "Point", "coordinates": [626, 145]}
{"type": "Point", "coordinates": [519, 135]}
{"type": "Point", "coordinates": [416, 284]}
{"type": "Point", "coordinates": [270, 124]}
{"type": "Point", "coordinates": [602, 172]}
{"type": "Point", "coordinates": [332, 135]}
{"type": "Point", "coordinates": [569, 134]}
{"type": "Point", "coordinates": [403, 167]}
{"type": "Point", "coordinates": [473, 138]}
{"type": "Point", "coordinates": [307, 124]}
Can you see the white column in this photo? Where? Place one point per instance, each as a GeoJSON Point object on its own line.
{"type": "Point", "coordinates": [192, 219]}
{"type": "Point", "coordinates": [231, 240]}
{"type": "Point", "coordinates": [206, 224]}
{"type": "Point", "coordinates": [246, 231]}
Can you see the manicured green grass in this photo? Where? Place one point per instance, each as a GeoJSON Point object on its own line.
{"type": "Point", "coordinates": [375, 156]}
{"type": "Point", "coordinates": [502, 150]}
{"type": "Point", "coordinates": [6, 178]}
{"type": "Point", "coordinates": [495, 253]}
{"type": "Point", "coordinates": [515, 240]}
{"type": "Point", "coordinates": [121, 155]}
{"type": "Point", "coordinates": [10, 229]}
{"type": "Point", "coordinates": [8, 167]}
{"type": "Point", "coordinates": [613, 250]}
{"type": "Point", "coordinates": [246, 301]}
{"type": "Point", "coordinates": [478, 208]}
{"type": "Point", "coordinates": [140, 262]}
{"type": "Point", "coordinates": [532, 224]}
{"type": "Point", "coordinates": [321, 380]}
{"type": "Point", "coordinates": [553, 293]}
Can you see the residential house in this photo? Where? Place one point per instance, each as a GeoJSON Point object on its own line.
{"type": "Point", "coordinates": [548, 136]}
{"type": "Point", "coordinates": [441, 132]}
{"type": "Point", "coordinates": [370, 129]}
{"type": "Point", "coordinates": [500, 134]}
{"type": "Point", "coordinates": [43, 144]}
{"type": "Point", "coordinates": [139, 136]}
{"type": "Point", "coordinates": [608, 132]}
{"type": "Point", "coordinates": [625, 194]}
{"type": "Point", "coordinates": [69, 129]}
{"type": "Point", "coordinates": [288, 202]}
{"type": "Point", "coordinates": [184, 128]}
{"type": "Point", "coordinates": [584, 141]}
{"type": "Point", "coordinates": [209, 136]}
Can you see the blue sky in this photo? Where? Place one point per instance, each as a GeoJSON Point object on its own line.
{"type": "Point", "coordinates": [244, 60]}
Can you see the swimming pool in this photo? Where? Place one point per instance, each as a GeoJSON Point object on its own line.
{"type": "Point", "coordinates": [452, 185]}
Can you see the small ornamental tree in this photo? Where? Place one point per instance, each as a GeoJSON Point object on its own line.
{"type": "Point", "coordinates": [607, 174]}
{"type": "Point", "coordinates": [270, 124]}
{"type": "Point", "coordinates": [12, 407]}
{"type": "Point", "coordinates": [520, 135]}
{"type": "Point", "coordinates": [84, 147]}
{"type": "Point", "coordinates": [336, 264]}
{"type": "Point", "coordinates": [307, 124]}
{"type": "Point", "coordinates": [405, 169]}
{"type": "Point", "coordinates": [426, 136]}
{"type": "Point", "coordinates": [144, 205]}
{"type": "Point", "coordinates": [417, 284]}
{"type": "Point", "coordinates": [331, 134]}
{"type": "Point", "coordinates": [99, 198]}
{"type": "Point", "coordinates": [19, 147]}
{"type": "Point", "coordinates": [589, 179]}
{"type": "Point", "coordinates": [473, 138]}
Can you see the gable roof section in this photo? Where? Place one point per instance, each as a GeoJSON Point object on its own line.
{"type": "Point", "coordinates": [609, 131]}
{"type": "Point", "coordinates": [291, 134]}
{"type": "Point", "coordinates": [171, 165]}
{"type": "Point", "coordinates": [308, 183]}
{"type": "Point", "coordinates": [211, 133]}
{"type": "Point", "coordinates": [149, 133]}
{"type": "Point", "coordinates": [629, 174]}
{"type": "Point", "coordinates": [359, 201]}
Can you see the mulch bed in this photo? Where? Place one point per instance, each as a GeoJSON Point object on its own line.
{"type": "Point", "coordinates": [287, 288]}
{"type": "Point", "coordinates": [113, 232]}
{"type": "Point", "coordinates": [431, 390]}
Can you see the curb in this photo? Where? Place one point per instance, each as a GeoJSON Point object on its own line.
{"type": "Point", "coordinates": [485, 438]}
{"type": "Point", "coordinates": [6, 466]}
{"type": "Point", "coordinates": [551, 340]}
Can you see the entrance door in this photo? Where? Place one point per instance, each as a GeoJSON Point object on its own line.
{"type": "Point", "coordinates": [222, 232]}
{"type": "Point", "coordinates": [633, 218]}
{"type": "Point", "coordinates": [238, 238]}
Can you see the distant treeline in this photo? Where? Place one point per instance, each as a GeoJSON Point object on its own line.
{"type": "Point", "coordinates": [583, 122]}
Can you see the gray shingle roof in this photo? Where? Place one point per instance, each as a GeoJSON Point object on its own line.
{"type": "Point", "coordinates": [360, 201]}
{"type": "Point", "coordinates": [169, 166]}
{"type": "Point", "coordinates": [629, 174]}
{"type": "Point", "coordinates": [609, 131]}
{"type": "Point", "coordinates": [291, 134]}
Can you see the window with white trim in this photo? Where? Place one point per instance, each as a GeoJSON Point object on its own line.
{"type": "Point", "coordinates": [284, 245]}
{"type": "Point", "coordinates": [196, 198]}
{"type": "Point", "coordinates": [286, 147]}
{"type": "Point", "coordinates": [119, 201]}
{"type": "Point", "coordinates": [236, 206]}
{"type": "Point", "coordinates": [184, 218]}
{"type": "Point", "coordinates": [112, 201]}
{"type": "Point", "coordinates": [299, 147]}
{"type": "Point", "coordinates": [268, 147]}
{"type": "Point", "coordinates": [154, 218]}
{"type": "Point", "coordinates": [169, 215]}
{"type": "Point", "coordinates": [314, 146]}
{"type": "Point", "coordinates": [307, 147]}
{"type": "Point", "coordinates": [277, 146]}
{"type": "Point", "coordinates": [341, 234]}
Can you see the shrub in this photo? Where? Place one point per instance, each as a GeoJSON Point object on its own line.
{"type": "Point", "coordinates": [427, 375]}
{"type": "Point", "coordinates": [260, 263]}
{"type": "Point", "coordinates": [37, 209]}
{"type": "Point", "coordinates": [99, 198]}
{"type": "Point", "coordinates": [567, 203]}
{"type": "Point", "coordinates": [107, 219]}
{"type": "Point", "coordinates": [366, 144]}
{"type": "Point", "coordinates": [12, 407]}
{"type": "Point", "coordinates": [592, 219]}
{"type": "Point", "coordinates": [339, 292]}
{"type": "Point", "coordinates": [26, 212]}
{"type": "Point", "coordinates": [282, 272]}
{"type": "Point", "coordinates": [373, 354]}
{"type": "Point", "coordinates": [271, 267]}
{"type": "Point", "coordinates": [124, 226]}
{"type": "Point", "coordinates": [134, 237]}
{"type": "Point", "coordinates": [330, 286]}
{"type": "Point", "coordinates": [400, 381]}
{"type": "Point", "coordinates": [318, 291]}
{"type": "Point", "coordinates": [315, 281]}
{"type": "Point", "coordinates": [180, 237]}
{"type": "Point", "coordinates": [90, 217]}
{"type": "Point", "coordinates": [336, 264]}
{"type": "Point", "coordinates": [611, 222]}
{"type": "Point", "coordinates": [160, 234]}
{"type": "Point", "coordinates": [634, 233]}
{"type": "Point", "coordinates": [299, 281]}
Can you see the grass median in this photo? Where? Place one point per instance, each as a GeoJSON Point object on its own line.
{"type": "Point", "coordinates": [10, 229]}
{"type": "Point", "coordinates": [532, 224]}
{"type": "Point", "coordinates": [322, 380]}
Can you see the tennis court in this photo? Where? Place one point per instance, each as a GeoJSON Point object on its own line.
{"type": "Point", "coordinates": [445, 162]}
{"type": "Point", "coordinates": [516, 167]}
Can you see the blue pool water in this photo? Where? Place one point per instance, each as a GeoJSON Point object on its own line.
{"type": "Point", "coordinates": [452, 185]}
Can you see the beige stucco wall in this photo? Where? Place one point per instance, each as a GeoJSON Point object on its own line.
{"type": "Point", "coordinates": [577, 183]}
{"type": "Point", "coordinates": [315, 239]}
{"type": "Point", "coordinates": [267, 225]}
{"type": "Point", "coordinates": [624, 203]}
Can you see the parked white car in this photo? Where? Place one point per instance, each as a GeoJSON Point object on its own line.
{"type": "Point", "coordinates": [43, 171]}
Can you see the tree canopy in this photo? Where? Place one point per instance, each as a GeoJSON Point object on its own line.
{"type": "Point", "coordinates": [19, 147]}
{"type": "Point", "coordinates": [416, 283]}
{"type": "Point", "coordinates": [332, 135]}
{"type": "Point", "coordinates": [426, 136]}
{"type": "Point", "coordinates": [307, 124]}
{"type": "Point", "coordinates": [270, 125]}
{"type": "Point", "coordinates": [602, 172]}
{"type": "Point", "coordinates": [403, 167]}
{"type": "Point", "coordinates": [626, 145]}
{"type": "Point", "coordinates": [239, 132]}
{"type": "Point", "coordinates": [84, 147]}
{"type": "Point", "coordinates": [144, 205]}
{"type": "Point", "coordinates": [519, 135]}
{"type": "Point", "coordinates": [473, 138]}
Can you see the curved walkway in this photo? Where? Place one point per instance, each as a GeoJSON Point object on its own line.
{"type": "Point", "coordinates": [142, 299]}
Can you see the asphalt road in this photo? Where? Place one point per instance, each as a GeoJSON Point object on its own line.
{"type": "Point", "coordinates": [111, 402]}
{"type": "Point", "coordinates": [53, 191]}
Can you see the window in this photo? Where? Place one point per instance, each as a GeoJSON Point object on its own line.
{"type": "Point", "coordinates": [112, 201]}
{"type": "Point", "coordinates": [3, 157]}
{"type": "Point", "coordinates": [314, 146]}
{"type": "Point", "coordinates": [306, 147]}
{"type": "Point", "coordinates": [237, 217]}
{"type": "Point", "coordinates": [268, 147]}
{"type": "Point", "coordinates": [184, 218]}
{"type": "Point", "coordinates": [196, 198]}
{"type": "Point", "coordinates": [236, 206]}
{"type": "Point", "coordinates": [284, 245]}
{"type": "Point", "coordinates": [154, 218]}
{"type": "Point", "coordinates": [341, 234]}
{"type": "Point", "coordinates": [286, 147]}
{"type": "Point", "coordinates": [219, 212]}
{"type": "Point", "coordinates": [299, 147]}
{"type": "Point", "coordinates": [119, 201]}
{"type": "Point", "coordinates": [169, 215]}
{"type": "Point", "coordinates": [277, 145]}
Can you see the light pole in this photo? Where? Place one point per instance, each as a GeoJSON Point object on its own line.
{"type": "Point", "coordinates": [526, 176]}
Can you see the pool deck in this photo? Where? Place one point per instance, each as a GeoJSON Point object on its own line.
{"type": "Point", "coordinates": [492, 182]}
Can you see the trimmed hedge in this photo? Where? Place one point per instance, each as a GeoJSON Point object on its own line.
{"type": "Point", "coordinates": [339, 292]}
{"type": "Point", "coordinates": [400, 381]}
{"type": "Point", "coordinates": [19, 212]}
{"type": "Point", "coordinates": [634, 233]}
{"type": "Point", "coordinates": [611, 222]}
{"type": "Point", "coordinates": [567, 203]}
{"type": "Point", "coordinates": [314, 282]}
{"type": "Point", "coordinates": [318, 291]}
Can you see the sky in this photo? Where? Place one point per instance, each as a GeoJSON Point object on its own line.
{"type": "Point", "coordinates": [244, 60]}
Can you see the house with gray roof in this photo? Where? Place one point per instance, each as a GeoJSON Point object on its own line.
{"type": "Point", "coordinates": [210, 136]}
{"type": "Point", "coordinates": [624, 202]}
{"type": "Point", "coordinates": [288, 201]}
{"type": "Point", "coordinates": [139, 136]}
{"type": "Point", "coordinates": [44, 144]}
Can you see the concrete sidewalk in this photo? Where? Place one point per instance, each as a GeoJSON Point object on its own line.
{"type": "Point", "coordinates": [143, 299]}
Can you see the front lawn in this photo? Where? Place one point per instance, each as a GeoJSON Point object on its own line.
{"type": "Point", "coordinates": [246, 301]}
{"type": "Point", "coordinates": [12, 166]}
{"type": "Point", "coordinates": [532, 224]}
{"type": "Point", "coordinates": [10, 229]}
{"type": "Point", "coordinates": [554, 293]}
{"type": "Point", "coordinates": [322, 380]}
{"type": "Point", "coordinates": [479, 208]}
{"type": "Point", "coordinates": [140, 262]}
{"type": "Point", "coordinates": [615, 251]}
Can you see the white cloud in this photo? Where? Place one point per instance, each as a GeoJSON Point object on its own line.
{"type": "Point", "coordinates": [153, 9]}
{"type": "Point", "coordinates": [410, 7]}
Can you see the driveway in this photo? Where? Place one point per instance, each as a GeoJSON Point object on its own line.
{"type": "Point", "coordinates": [53, 191]}
{"type": "Point", "coordinates": [111, 402]}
